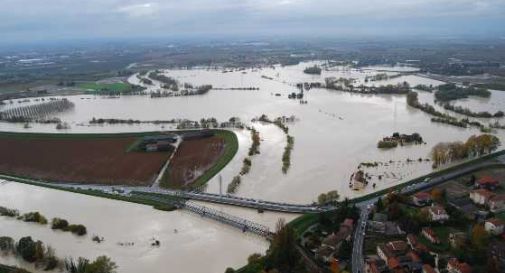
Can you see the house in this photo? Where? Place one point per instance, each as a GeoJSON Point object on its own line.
{"type": "Point", "coordinates": [415, 244]}
{"type": "Point", "coordinates": [437, 213]}
{"type": "Point", "coordinates": [428, 269]}
{"type": "Point", "coordinates": [375, 266]}
{"type": "Point", "coordinates": [481, 196]}
{"type": "Point", "coordinates": [348, 223]}
{"type": "Point", "coordinates": [430, 235]}
{"type": "Point", "coordinates": [392, 249]}
{"type": "Point", "coordinates": [422, 198]}
{"type": "Point", "coordinates": [487, 182]}
{"type": "Point", "coordinates": [497, 203]}
{"type": "Point", "coordinates": [494, 226]}
{"type": "Point", "coordinates": [325, 254]}
{"type": "Point", "coordinates": [454, 266]}
{"type": "Point", "coordinates": [457, 239]}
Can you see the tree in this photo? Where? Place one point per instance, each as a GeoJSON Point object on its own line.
{"type": "Point", "coordinates": [380, 204]}
{"type": "Point", "coordinates": [282, 253]}
{"type": "Point", "coordinates": [479, 236]}
{"type": "Point", "coordinates": [102, 264]}
{"type": "Point", "coordinates": [26, 247]}
{"type": "Point", "coordinates": [6, 244]}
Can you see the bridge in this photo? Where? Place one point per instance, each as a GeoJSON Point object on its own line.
{"type": "Point", "coordinates": [241, 201]}
{"type": "Point", "coordinates": [228, 219]}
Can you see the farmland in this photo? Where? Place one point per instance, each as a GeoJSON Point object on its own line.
{"type": "Point", "coordinates": [112, 87]}
{"type": "Point", "coordinates": [78, 158]}
{"type": "Point", "coordinates": [196, 161]}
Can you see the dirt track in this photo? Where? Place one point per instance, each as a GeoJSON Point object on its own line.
{"type": "Point", "coordinates": [87, 160]}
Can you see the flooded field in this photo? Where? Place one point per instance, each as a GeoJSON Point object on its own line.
{"type": "Point", "coordinates": [334, 132]}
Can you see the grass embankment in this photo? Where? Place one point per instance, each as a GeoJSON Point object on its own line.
{"type": "Point", "coordinates": [230, 149]}
{"type": "Point", "coordinates": [79, 135]}
{"type": "Point", "coordinates": [157, 201]}
{"type": "Point", "coordinates": [100, 87]}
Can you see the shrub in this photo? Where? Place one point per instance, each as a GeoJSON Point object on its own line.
{"type": "Point", "coordinates": [58, 223]}
{"type": "Point", "coordinates": [79, 230]}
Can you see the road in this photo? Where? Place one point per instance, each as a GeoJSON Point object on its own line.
{"type": "Point", "coordinates": [358, 261]}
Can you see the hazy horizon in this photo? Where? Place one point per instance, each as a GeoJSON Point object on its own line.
{"type": "Point", "coordinates": [29, 21]}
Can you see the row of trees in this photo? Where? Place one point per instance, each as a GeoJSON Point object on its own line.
{"type": "Point", "coordinates": [37, 217]}
{"type": "Point", "coordinates": [44, 257]}
{"type": "Point", "coordinates": [447, 152]}
{"type": "Point", "coordinates": [286, 156]}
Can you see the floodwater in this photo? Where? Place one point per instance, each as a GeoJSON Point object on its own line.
{"type": "Point", "coordinates": [334, 132]}
{"type": "Point", "coordinates": [183, 235]}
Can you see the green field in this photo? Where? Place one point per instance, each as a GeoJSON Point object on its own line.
{"type": "Point", "coordinates": [114, 87]}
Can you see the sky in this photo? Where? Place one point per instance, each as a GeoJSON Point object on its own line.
{"type": "Point", "coordinates": [43, 20]}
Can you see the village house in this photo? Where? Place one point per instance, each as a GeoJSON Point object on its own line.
{"type": "Point", "coordinates": [494, 226]}
{"type": "Point", "coordinates": [457, 239]}
{"type": "Point", "coordinates": [437, 213]}
{"type": "Point", "coordinates": [415, 244]}
{"type": "Point", "coordinates": [375, 266]}
{"type": "Point", "coordinates": [481, 196]}
{"type": "Point", "coordinates": [428, 269]}
{"type": "Point", "coordinates": [331, 244]}
{"type": "Point", "coordinates": [430, 235]}
{"type": "Point", "coordinates": [497, 203]}
{"type": "Point", "coordinates": [392, 249]}
{"type": "Point", "coordinates": [421, 199]}
{"type": "Point", "coordinates": [454, 266]}
{"type": "Point", "coordinates": [487, 182]}
{"type": "Point", "coordinates": [411, 262]}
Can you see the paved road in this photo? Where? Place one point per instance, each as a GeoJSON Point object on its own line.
{"type": "Point", "coordinates": [358, 263]}
{"type": "Point", "coordinates": [200, 196]}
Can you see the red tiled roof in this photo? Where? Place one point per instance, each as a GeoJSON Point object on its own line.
{"type": "Point", "coordinates": [423, 195]}
{"type": "Point", "coordinates": [414, 256]}
{"type": "Point", "coordinates": [461, 267]}
{"type": "Point", "coordinates": [397, 245]}
{"type": "Point", "coordinates": [428, 269]}
{"type": "Point", "coordinates": [483, 192]}
{"type": "Point", "coordinates": [496, 221]}
{"type": "Point", "coordinates": [393, 263]}
{"type": "Point", "coordinates": [348, 222]}
{"type": "Point", "coordinates": [487, 180]}
{"type": "Point", "coordinates": [497, 198]}
{"type": "Point", "coordinates": [430, 232]}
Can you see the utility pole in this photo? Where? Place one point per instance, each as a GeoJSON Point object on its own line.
{"type": "Point", "coordinates": [220, 185]}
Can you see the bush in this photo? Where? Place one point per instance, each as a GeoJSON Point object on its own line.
{"type": "Point", "coordinates": [79, 230]}
{"type": "Point", "coordinates": [58, 223]}
{"type": "Point", "coordinates": [35, 217]}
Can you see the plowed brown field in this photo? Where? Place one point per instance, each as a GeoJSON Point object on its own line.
{"type": "Point", "coordinates": [85, 160]}
{"type": "Point", "coordinates": [192, 159]}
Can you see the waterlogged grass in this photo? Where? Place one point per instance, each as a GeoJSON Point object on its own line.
{"type": "Point", "coordinates": [114, 87]}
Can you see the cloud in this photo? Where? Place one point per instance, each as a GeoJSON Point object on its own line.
{"type": "Point", "coordinates": [139, 10]}
{"type": "Point", "coordinates": [23, 19]}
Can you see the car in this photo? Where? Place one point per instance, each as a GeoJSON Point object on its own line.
{"type": "Point", "coordinates": [427, 179]}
